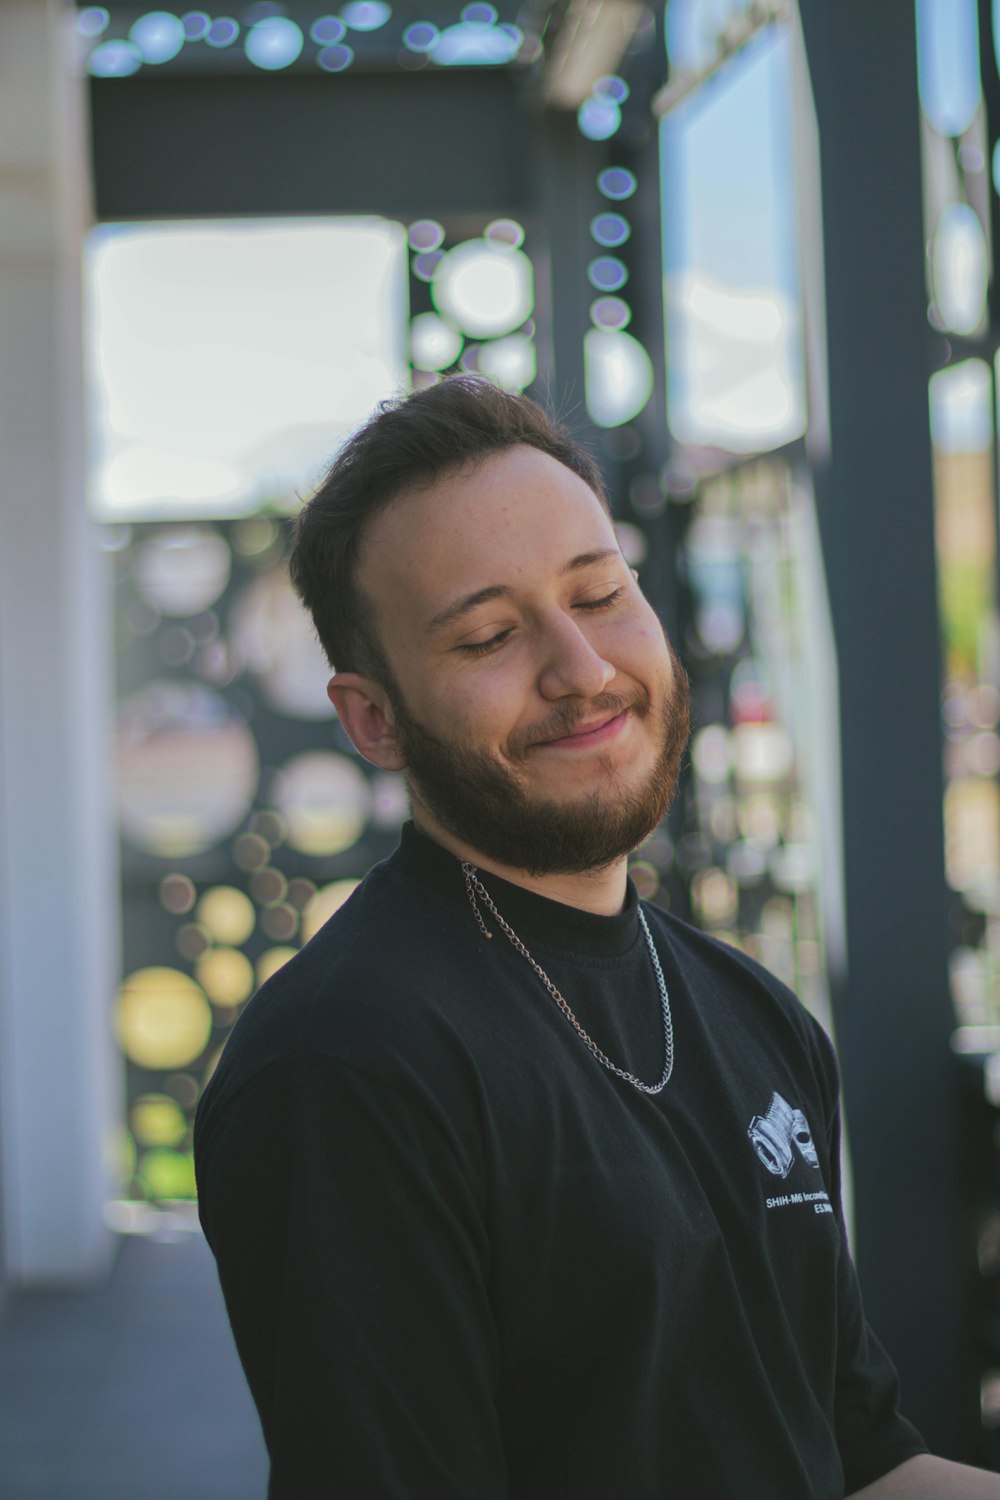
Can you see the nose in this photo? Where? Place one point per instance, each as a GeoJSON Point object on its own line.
{"type": "Point", "coordinates": [571, 666]}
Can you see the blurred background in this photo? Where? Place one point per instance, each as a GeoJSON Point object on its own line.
{"type": "Point", "coordinates": [745, 249]}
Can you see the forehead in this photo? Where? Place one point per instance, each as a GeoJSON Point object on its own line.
{"type": "Point", "coordinates": [510, 520]}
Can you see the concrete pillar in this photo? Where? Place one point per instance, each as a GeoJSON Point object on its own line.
{"type": "Point", "coordinates": [59, 1084]}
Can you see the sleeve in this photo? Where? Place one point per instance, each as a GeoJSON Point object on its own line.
{"type": "Point", "coordinates": [872, 1436]}
{"type": "Point", "coordinates": [353, 1260]}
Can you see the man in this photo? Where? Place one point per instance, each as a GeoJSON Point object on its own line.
{"type": "Point", "coordinates": [517, 1186]}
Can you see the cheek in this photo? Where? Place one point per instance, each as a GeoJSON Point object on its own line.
{"type": "Point", "coordinates": [640, 644]}
{"type": "Point", "coordinates": [473, 707]}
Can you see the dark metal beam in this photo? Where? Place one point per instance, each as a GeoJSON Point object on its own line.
{"type": "Point", "coordinates": [400, 144]}
{"type": "Point", "coordinates": [877, 523]}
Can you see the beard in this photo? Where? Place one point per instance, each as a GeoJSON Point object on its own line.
{"type": "Point", "coordinates": [485, 803]}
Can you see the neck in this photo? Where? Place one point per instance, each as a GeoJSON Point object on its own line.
{"type": "Point", "coordinates": [600, 891]}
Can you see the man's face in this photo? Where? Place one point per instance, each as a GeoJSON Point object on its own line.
{"type": "Point", "coordinates": [540, 710]}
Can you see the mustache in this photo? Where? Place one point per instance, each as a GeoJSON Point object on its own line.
{"type": "Point", "coordinates": [564, 720]}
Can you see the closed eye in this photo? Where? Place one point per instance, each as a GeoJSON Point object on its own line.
{"type": "Point", "coordinates": [604, 603]}
{"type": "Point", "coordinates": [481, 648]}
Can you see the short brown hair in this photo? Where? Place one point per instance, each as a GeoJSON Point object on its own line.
{"type": "Point", "coordinates": [409, 443]}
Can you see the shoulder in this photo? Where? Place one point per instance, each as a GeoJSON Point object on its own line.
{"type": "Point", "coordinates": [373, 991]}
{"type": "Point", "coordinates": [743, 992]}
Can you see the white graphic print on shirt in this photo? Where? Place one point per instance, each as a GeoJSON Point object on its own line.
{"type": "Point", "coordinates": [774, 1135]}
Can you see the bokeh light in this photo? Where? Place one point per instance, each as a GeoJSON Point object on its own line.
{"type": "Point", "coordinates": [159, 36]}
{"type": "Point", "coordinates": [425, 234]}
{"type": "Point", "coordinates": [762, 753]}
{"type": "Point", "coordinates": [269, 824]}
{"type": "Point", "coordinates": [271, 636]}
{"type": "Point", "coordinates": [157, 1120]}
{"type": "Point", "coordinates": [300, 892]}
{"type": "Point", "coordinates": [325, 800]}
{"type": "Point", "coordinates": [191, 941]}
{"type": "Point", "coordinates": [226, 976]}
{"type": "Point", "coordinates": [251, 851]}
{"type": "Point", "coordinates": [327, 900]}
{"type": "Point", "coordinates": [163, 1019]}
{"type": "Point", "coordinates": [177, 646]}
{"type": "Point", "coordinates": [484, 289]}
{"type": "Point", "coordinates": [610, 230]}
{"type": "Point", "coordinates": [268, 885]}
{"type": "Point", "coordinates": [421, 36]}
{"type": "Point", "coordinates": [366, 15]}
{"type": "Point", "coordinates": [177, 893]}
{"type": "Point", "coordinates": [645, 877]}
{"type": "Point", "coordinates": [92, 20]}
{"type": "Point", "coordinates": [619, 377]}
{"type": "Point", "coordinates": [390, 800]}
{"type": "Point", "coordinates": [223, 32]}
{"type": "Point", "coordinates": [505, 232]}
{"type": "Point", "coordinates": [254, 536]}
{"type": "Point", "coordinates": [610, 313]}
{"type": "Point", "coordinates": [183, 1087]}
{"type": "Point", "coordinates": [196, 25]}
{"type": "Point", "coordinates": [425, 265]}
{"type": "Point", "coordinates": [336, 58]}
{"type": "Point", "coordinates": [710, 754]}
{"type": "Point", "coordinates": [715, 897]}
{"type": "Point", "coordinates": [166, 1175]}
{"type": "Point", "coordinates": [273, 43]}
{"type": "Point", "coordinates": [510, 362]}
{"type": "Point", "coordinates": [607, 273]}
{"type": "Point", "coordinates": [633, 541]}
{"type": "Point", "coordinates": [187, 768]}
{"type": "Point", "coordinates": [280, 922]}
{"type": "Point", "coordinates": [226, 914]}
{"type": "Point", "coordinates": [114, 60]}
{"type": "Point", "coordinates": [271, 960]}
{"type": "Point", "coordinates": [616, 183]}
{"type": "Point", "coordinates": [183, 570]}
{"type": "Point", "coordinates": [327, 30]}
{"type": "Point", "coordinates": [598, 119]}
{"type": "Point", "coordinates": [611, 87]}
{"type": "Point", "coordinates": [434, 344]}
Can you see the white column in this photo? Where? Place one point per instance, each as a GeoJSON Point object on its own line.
{"type": "Point", "coordinates": [60, 1090]}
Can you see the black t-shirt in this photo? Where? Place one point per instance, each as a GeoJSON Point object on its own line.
{"type": "Point", "coordinates": [462, 1259]}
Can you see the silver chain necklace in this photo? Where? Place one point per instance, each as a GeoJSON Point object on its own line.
{"type": "Point", "coordinates": [474, 887]}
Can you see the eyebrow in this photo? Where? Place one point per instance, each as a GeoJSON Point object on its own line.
{"type": "Point", "coordinates": [463, 606]}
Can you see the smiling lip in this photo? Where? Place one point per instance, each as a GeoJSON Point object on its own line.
{"type": "Point", "coordinates": [582, 739]}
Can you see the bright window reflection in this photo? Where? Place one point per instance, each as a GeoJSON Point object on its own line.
{"type": "Point", "coordinates": [693, 28]}
{"type": "Point", "coordinates": [731, 279]}
{"type": "Point", "coordinates": [228, 361]}
{"type": "Point", "coordinates": [948, 63]}
{"type": "Point", "coordinates": [759, 841]}
{"type": "Point", "coordinates": [961, 410]}
{"type": "Point", "coordinates": [960, 261]}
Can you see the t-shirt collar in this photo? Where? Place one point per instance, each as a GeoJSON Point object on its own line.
{"type": "Point", "coordinates": [539, 921]}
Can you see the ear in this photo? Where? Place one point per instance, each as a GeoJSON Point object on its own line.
{"type": "Point", "coordinates": [364, 710]}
